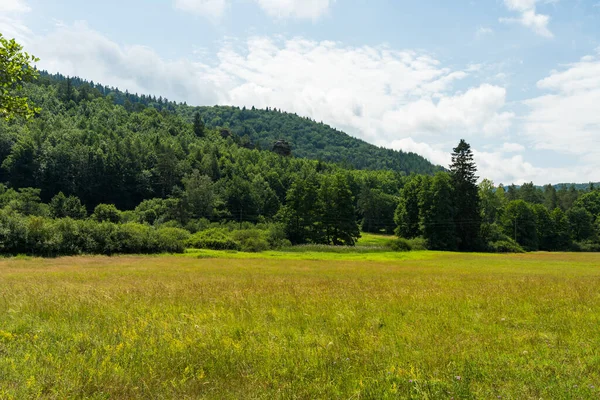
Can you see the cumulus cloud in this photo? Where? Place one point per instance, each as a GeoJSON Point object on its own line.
{"type": "Point", "coordinates": [303, 9]}
{"type": "Point", "coordinates": [11, 25]}
{"type": "Point", "coordinates": [309, 9]}
{"type": "Point", "coordinates": [566, 119]}
{"type": "Point", "coordinates": [376, 93]}
{"type": "Point", "coordinates": [528, 17]}
{"type": "Point", "coordinates": [78, 50]}
{"type": "Point", "coordinates": [14, 6]}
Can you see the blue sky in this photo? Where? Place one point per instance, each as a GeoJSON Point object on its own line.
{"type": "Point", "coordinates": [519, 79]}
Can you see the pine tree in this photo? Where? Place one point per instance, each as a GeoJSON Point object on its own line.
{"type": "Point", "coordinates": [198, 125]}
{"type": "Point", "coordinates": [466, 197]}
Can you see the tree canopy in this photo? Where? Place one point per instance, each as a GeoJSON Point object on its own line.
{"type": "Point", "coordinates": [15, 69]}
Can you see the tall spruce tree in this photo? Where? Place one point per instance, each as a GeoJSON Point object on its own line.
{"type": "Point", "coordinates": [467, 215]}
{"type": "Point", "coordinates": [198, 125]}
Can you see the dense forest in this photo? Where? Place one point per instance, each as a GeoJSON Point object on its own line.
{"type": "Point", "coordinates": [98, 170]}
{"type": "Point", "coordinates": [254, 128]}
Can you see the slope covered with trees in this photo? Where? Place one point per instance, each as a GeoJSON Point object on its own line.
{"type": "Point", "coordinates": [257, 128]}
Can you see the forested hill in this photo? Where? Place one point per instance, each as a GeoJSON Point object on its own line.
{"type": "Point", "coordinates": [262, 128]}
{"type": "Point", "coordinates": [308, 139]}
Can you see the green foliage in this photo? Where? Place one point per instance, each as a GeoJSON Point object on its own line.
{"type": "Point", "coordinates": [377, 209]}
{"type": "Point", "coordinates": [519, 222]}
{"type": "Point", "coordinates": [438, 214]}
{"type": "Point", "coordinates": [15, 68]}
{"type": "Point", "coordinates": [590, 202]}
{"type": "Point", "coordinates": [400, 244]}
{"type": "Point", "coordinates": [214, 239]}
{"type": "Point", "coordinates": [67, 207]}
{"type": "Point", "coordinates": [407, 215]}
{"type": "Point", "coordinates": [581, 222]}
{"type": "Point", "coordinates": [505, 246]}
{"type": "Point", "coordinates": [106, 213]}
{"type": "Point", "coordinates": [308, 139]}
{"type": "Point", "coordinates": [340, 227]}
{"type": "Point", "coordinates": [43, 236]}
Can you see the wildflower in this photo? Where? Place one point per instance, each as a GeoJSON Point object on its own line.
{"type": "Point", "coordinates": [458, 378]}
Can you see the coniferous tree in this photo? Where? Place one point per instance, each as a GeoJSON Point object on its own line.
{"type": "Point", "coordinates": [198, 125]}
{"type": "Point", "coordinates": [466, 197]}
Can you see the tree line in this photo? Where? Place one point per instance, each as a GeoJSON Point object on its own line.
{"type": "Point", "coordinates": [97, 167]}
{"type": "Point", "coordinates": [453, 213]}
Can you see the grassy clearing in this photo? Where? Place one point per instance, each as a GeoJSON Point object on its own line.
{"type": "Point", "coordinates": [430, 325]}
{"type": "Point", "coordinates": [374, 240]}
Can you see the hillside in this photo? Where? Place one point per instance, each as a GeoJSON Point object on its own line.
{"type": "Point", "coordinates": [308, 139]}
{"type": "Point", "coordinates": [262, 128]}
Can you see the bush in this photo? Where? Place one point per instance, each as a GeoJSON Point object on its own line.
{"type": "Point", "coordinates": [214, 239]}
{"type": "Point", "coordinates": [505, 246]}
{"type": "Point", "coordinates": [419, 244]}
{"type": "Point", "coordinates": [252, 240]}
{"type": "Point", "coordinates": [276, 237]}
{"type": "Point", "coordinates": [134, 238]}
{"type": "Point", "coordinates": [586, 247]}
{"type": "Point", "coordinates": [106, 213]}
{"type": "Point", "coordinates": [171, 240]}
{"type": "Point", "coordinates": [400, 244]}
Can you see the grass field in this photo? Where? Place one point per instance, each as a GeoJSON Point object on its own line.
{"type": "Point", "coordinates": [301, 325]}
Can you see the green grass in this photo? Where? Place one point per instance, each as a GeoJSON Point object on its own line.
{"type": "Point", "coordinates": [374, 240]}
{"type": "Point", "coordinates": [283, 325]}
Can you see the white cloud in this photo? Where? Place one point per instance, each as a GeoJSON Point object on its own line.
{"type": "Point", "coordinates": [80, 51]}
{"type": "Point", "coordinates": [529, 18]}
{"type": "Point", "coordinates": [376, 93]}
{"type": "Point", "coordinates": [207, 8]}
{"type": "Point", "coordinates": [309, 9]}
{"type": "Point", "coordinates": [512, 148]}
{"type": "Point", "coordinates": [14, 6]}
{"type": "Point", "coordinates": [567, 120]}
{"type": "Point", "coordinates": [11, 25]}
{"type": "Point", "coordinates": [302, 9]}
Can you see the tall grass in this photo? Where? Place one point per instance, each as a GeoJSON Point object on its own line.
{"type": "Point", "coordinates": [442, 326]}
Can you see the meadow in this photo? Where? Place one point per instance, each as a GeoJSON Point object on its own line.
{"type": "Point", "coordinates": [301, 325]}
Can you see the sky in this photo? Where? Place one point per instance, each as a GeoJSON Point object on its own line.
{"type": "Point", "coordinates": [518, 79]}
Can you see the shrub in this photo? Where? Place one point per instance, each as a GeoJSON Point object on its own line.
{"type": "Point", "coordinates": [419, 244]}
{"type": "Point", "coordinates": [134, 238]}
{"type": "Point", "coordinates": [276, 237]}
{"type": "Point", "coordinates": [586, 247]}
{"type": "Point", "coordinates": [214, 239]}
{"type": "Point", "coordinates": [171, 240]}
{"type": "Point", "coordinates": [252, 240]}
{"type": "Point", "coordinates": [400, 244]}
{"type": "Point", "coordinates": [106, 213]}
{"type": "Point", "coordinates": [505, 246]}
